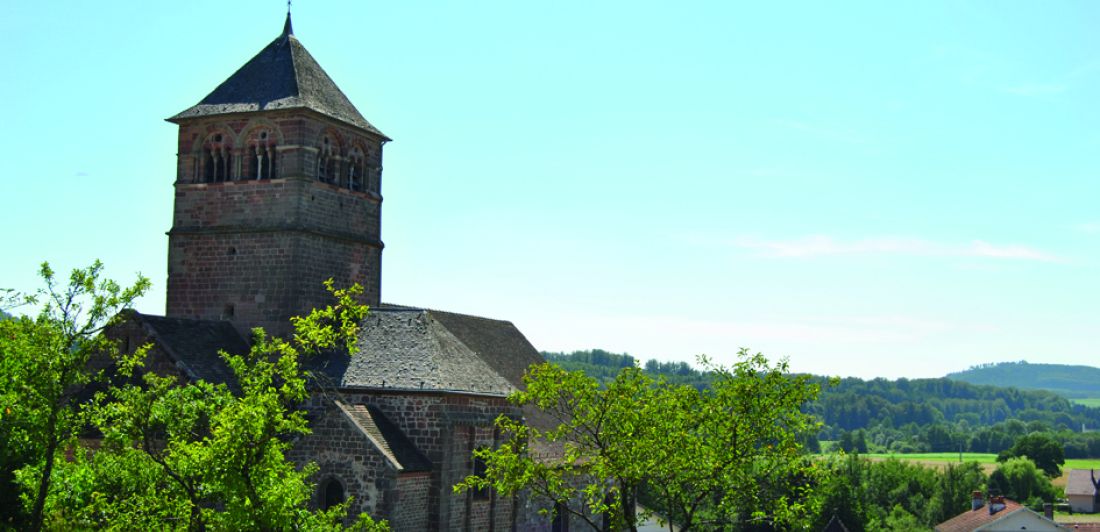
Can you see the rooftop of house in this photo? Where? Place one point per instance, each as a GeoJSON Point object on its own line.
{"type": "Point", "coordinates": [996, 514]}
{"type": "Point", "coordinates": [1081, 482]}
{"type": "Point", "coordinates": [282, 76]}
{"type": "Point", "coordinates": [981, 516]}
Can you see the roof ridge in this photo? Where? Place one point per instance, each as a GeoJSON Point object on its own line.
{"type": "Point", "coordinates": [283, 75]}
{"type": "Point", "coordinates": [406, 308]}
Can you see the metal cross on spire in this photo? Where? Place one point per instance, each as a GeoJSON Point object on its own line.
{"type": "Point", "coordinates": [287, 28]}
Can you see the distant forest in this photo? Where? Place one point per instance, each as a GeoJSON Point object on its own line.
{"type": "Point", "coordinates": [917, 415]}
{"type": "Point", "coordinates": [1068, 381]}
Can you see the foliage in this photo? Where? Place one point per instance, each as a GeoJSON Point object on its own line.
{"type": "Point", "coordinates": [920, 415]}
{"type": "Point", "coordinates": [604, 366]}
{"type": "Point", "coordinates": [710, 458]}
{"type": "Point", "coordinates": [961, 407]}
{"type": "Point", "coordinates": [196, 454]}
{"type": "Point", "coordinates": [853, 442]}
{"type": "Point", "coordinates": [892, 495]}
{"type": "Point", "coordinates": [1040, 448]}
{"type": "Point", "coordinates": [45, 362]}
{"type": "Point", "coordinates": [1021, 480]}
{"type": "Point", "coordinates": [1068, 381]}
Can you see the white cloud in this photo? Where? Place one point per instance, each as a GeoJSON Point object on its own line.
{"type": "Point", "coordinates": [821, 245]}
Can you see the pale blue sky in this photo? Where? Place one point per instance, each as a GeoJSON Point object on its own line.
{"type": "Point", "coordinates": [870, 189]}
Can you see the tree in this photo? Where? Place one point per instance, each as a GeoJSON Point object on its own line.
{"type": "Point", "coordinates": [711, 457]}
{"type": "Point", "coordinates": [859, 441]}
{"type": "Point", "coordinates": [846, 443]}
{"type": "Point", "coordinates": [218, 452]}
{"type": "Point", "coordinates": [44, 364]}
{"type": "Point", "coordinates": [173, 455]}
{"type": "Point", "coordinates": [891, 494]}
{"type": "Point", "coordinates": [1041, 448]}
{"type": "Point", "coordinates": [1020, 480]}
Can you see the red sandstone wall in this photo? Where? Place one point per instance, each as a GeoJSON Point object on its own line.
{"type": "Point", "coordinates": [262, 248]}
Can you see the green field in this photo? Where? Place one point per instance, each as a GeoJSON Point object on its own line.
{"type": "Point", "coordinates": [1093, 402]}
{"type": "Point", "coordinates": [987, 460]}
{"type": "Point", "coordinates": [982, 458]}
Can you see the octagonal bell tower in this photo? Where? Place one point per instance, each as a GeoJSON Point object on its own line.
{"type": "Point", "coordinates": [277, 189]}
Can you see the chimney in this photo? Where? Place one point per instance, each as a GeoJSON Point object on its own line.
{"type": "Point", "coordinates": [976, 500]}
{"type": "Point", "coordinates": [996, 504]}
{"type": "Point", "coordinates": [1048, 510]}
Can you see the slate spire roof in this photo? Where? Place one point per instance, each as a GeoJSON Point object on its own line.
{"type": "Point", "coordinates": [282, 76]}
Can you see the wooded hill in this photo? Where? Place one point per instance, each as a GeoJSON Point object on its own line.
{"type": "Point", "coordinates": [1067, 381]}
{"type": "Point", "coordinates": [906, 415]}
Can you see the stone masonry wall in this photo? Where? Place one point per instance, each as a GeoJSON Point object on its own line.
{"type": "Point", "coordinates": [343, 453]}
{"type": "Point", "coordinates": [445, 428]}
{"type": "Point", "coordinates": [411, 509]}
{"type": "Point", "coordinates": [256, 251]}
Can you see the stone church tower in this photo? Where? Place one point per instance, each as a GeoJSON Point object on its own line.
{"type": "Point", "coordinates": [277, 189]}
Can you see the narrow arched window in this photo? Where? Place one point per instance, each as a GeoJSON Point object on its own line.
{"type": "Point", "coordinates": [332, 493]}
{"type": "Point", "coordinates": [561, 520]}
{"type": "Point", "coordinates": [217, 159]}
{"type": "Point", "coordinates": [327, 168]}
{"type": "Point", "coordinates": [260, 155]}
{"type": "Point", "coordinates": [356, 166]}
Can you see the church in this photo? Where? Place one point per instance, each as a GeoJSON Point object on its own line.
{"type": "Point", "coordinates": [277, 188]}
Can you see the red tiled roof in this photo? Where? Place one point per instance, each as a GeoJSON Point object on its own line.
{"type": "Point", "coordinates": [968, 521]}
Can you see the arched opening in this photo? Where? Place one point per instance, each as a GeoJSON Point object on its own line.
{"type": "Point", "coordinates": [217, 159]}
{"type": "Point", "coordinates": [356, 166]}
{"type": "Point", "coordinates": [332, 493]}
{"type": "Point", "coordinates": [260, 155]}
{"type": "Point", "coordinates": [561, 520]}
{"type": "Point", "coordinates": [327, 157]}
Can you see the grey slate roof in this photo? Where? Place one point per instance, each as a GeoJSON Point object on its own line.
{"type": "Point", "coordinates": [282, 76]}
{"type": "Point", "coordinates": [1080, 482]}
{"type": "Point", "coordinates": [194, 344]}
{"type": "Point", "coordinates": [386, 437]}
{"type": "Point", "coordinates": [400, 349]}
{"type": "Point", "coordinates": [417, 349]}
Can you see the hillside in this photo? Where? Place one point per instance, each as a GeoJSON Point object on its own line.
{"type": "Point", "coordinates": [918, 415]}
{"type": "Point", "coordinates": [1067, 381]}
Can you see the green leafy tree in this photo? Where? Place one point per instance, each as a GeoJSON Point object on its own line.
{"type": "Point", "coordinates": [1019, 479]}
{"type": "Point", "coordinates": [218, 452]}
{"type": "Point", "coordinates": [891, 494]}
{"type": "Point", "coordinates": [1041, 448]}
{"type": "Point", "coordinates": [899, 519]}
{"type": "Point", "coordinates": [711, 458]}
{"type": "Point", "coordinates": [173, 455]}
{"type": "Point", "coordinates": [44, 366]}
{"type": "Point", "coordinates": [859, 441]}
